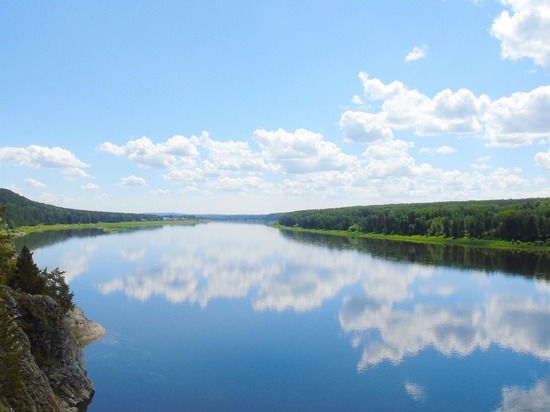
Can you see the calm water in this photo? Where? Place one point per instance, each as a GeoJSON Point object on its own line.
{"type": "Point", "coordinates": [245, 317]}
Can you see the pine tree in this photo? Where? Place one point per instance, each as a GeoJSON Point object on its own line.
{"type": "Point", "coordinates": [26, 276]}
{"type": "Point", "coordinates": [57, 288]}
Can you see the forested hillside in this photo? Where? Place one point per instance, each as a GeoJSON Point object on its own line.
{"type": "Point", "coordinates": [20, 211]}
{"type": "Point", "coordinates": [526, 220]}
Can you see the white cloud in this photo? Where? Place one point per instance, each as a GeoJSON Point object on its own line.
{"type": "Point", "coordinates": [357, 100]}
{"type": "Point", "coordinates": [233, 156]}
{"type": "Point", "coordinates": [417, 53]}
{"type": "Point", "coordinates": [524, 32]}
{"type": "Point", "coordinates": [176, 151]}
{"type": "Point", "coordinates": [519, 119]}
{"type": "Point", "coordinates": [35, 183]}
{"type": "Point", "coordinates": [364, 127]}
{"type": "Point", "coordinates": [480, 166]}
{"type": "Point", "coordinates": [35, 156]}
{"type": "Point", "coordinates": [542, 159]}
{"type": "Point", "coordinates": [509, 121]}
{"type": "Point", "coordinates": [239, 184]}
{"type": "Point", "coordinates": [132, 181]}
{"type": "Point", "coordinates": [73, 173]}
{"type": "Point", "coordinates": [438, 150]}
{"type": "Point", "coordinates": [301, 151]}
{"type": "Point", "coordinates": [389, 158]}
{"type": "Point", "coordinates": [90, 186]}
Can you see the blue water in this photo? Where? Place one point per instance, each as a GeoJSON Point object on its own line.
{"type": "Point", "coordinates": [242, 317]}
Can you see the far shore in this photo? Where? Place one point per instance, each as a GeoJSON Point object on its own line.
{"type": "Point", "coordinates": [106, 227]}
{"type": "Point", "coordinates": [435, 240]}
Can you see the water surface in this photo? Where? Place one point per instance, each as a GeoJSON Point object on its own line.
{"type": "Point", "coordinates": [246, 317]}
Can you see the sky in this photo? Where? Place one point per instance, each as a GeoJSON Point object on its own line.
{"type": "Point", "coordinates": [271, 106]}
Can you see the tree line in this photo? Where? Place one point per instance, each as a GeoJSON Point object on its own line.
{"type": "Point", "coordinates": [20, 211]}
{"type": "Point", "coordinates": [525, 220]}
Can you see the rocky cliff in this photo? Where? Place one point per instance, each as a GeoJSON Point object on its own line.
{"type": "Point", "coordinates": [41, 357]}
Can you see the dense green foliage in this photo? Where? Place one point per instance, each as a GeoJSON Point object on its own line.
{"type": "Point", "coordinates": [20, 211]}
{"type": "Point", "coordinates": [27, 277]}
{"type": "Point", "coordinates": [526, 220]}
{"type": "Point", "coordinates": [7, 253]}
{"type": "Point", "coordinates": [22, 274]}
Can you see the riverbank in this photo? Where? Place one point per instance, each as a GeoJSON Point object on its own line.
{"type": "Point", "coordinates": [106, 227]}
{"type": "Point", "coordinates": [437, 240]}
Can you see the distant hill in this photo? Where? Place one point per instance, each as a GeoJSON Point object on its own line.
{"type": "Point", "coordinates": [20, 211]}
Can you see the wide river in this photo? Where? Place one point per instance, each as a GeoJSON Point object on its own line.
{"type": "Point", "coordinates": [224, 316]}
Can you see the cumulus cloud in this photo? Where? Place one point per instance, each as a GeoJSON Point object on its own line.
{"type": "Point", "coordinates": [233, 155]}
{"type": "Point", "coordinates": [35, 183]}
{"type": "Point", "coordinates": [389, 158]}
{"type": "Point", "coordinates": [509, 121]}
{"type": "Point", "coordinates": [176, 151]}
{"type": "Point", "coordinates": [302, 163]}
{"type": "Point", "coordinates": [524, 30]}
{"type": "Point", "coordinates": [519, 119]}
{"type": "Point", "coordinates": [35, 156]}
{"type": "Point", "coordinates": [300, 151]}
{"type": "Point", "coordinates": [132, 180]}
{"type": "Point", "coordinates": [542, 159]}
{"type": "Point", "coordinates": [417, 53]}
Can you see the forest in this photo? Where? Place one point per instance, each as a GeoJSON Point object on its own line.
{"type": "Point", "coordinates": [524, 220]}
{"type": "Point", "coordinates": [20, 211]}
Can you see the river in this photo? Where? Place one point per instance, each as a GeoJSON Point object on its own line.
{"type": "Point", "coordinates": [223, 316]}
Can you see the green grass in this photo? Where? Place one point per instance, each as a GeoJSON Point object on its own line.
{"type": "Point", "coordinates": [108, 227]}
{"type": "Point", "coordinates": [438, 240]}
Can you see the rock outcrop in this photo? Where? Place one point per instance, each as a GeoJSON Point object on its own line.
{"type": "Point", "coordinates": [47, 370]}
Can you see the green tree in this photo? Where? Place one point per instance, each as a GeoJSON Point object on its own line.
{"type": "Point", "coordinates": [57, 288]}
{"type": "Point", "coordinates": [7, 251]}
{"type": "Point", "coordinates": [26, 276]}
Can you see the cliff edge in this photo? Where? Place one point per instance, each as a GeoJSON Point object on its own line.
{"type": "Point", "coordinates": [41, 358]}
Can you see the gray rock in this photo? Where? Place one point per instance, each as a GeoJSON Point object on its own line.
{"type": "Point", "coordinates": [52, 369]}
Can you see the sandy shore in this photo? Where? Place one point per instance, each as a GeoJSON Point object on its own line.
{"type": "Point", "coordinates": [86, 330]}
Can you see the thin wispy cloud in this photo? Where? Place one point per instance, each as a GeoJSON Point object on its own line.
{"type": "Point", "coordinates": [35, 183]}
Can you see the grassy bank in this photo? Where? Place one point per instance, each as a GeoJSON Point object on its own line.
{"type": "Point", "coordinates": [439, 240]}
{"type": "Point", "coordinates": [108, 227]}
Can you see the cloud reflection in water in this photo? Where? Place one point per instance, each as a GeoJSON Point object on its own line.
{"type": "Point", "coordinates": [400, 310]}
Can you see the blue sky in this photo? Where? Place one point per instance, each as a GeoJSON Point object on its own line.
{"type": "Point", "coordinates": [268, 106]}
